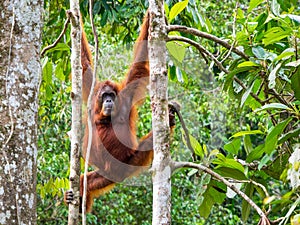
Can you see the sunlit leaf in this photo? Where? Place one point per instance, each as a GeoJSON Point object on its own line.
{"type": "Point", "coordinates": [246, 132]}
{"type": "Point", "coordinates": [246, 94]}
{"type": "Point", "coordinates": [177, 50]}
{"type": "Point", "coordinates": [177, 8]}
{"type": "Point", "coordinates": [294, 63]}
{"type": "Point", "coordinates": [272, 76]}
{"type": "Point", "coordinates": [275, 7]}
{"type": "Point", "coordinates": [233, 146]}
{"type": "Point", "coordinates": [273, 106]}
{"type": "Point", "coordinates": [248, 64]}
{"type": "Point", "coordinates": [253, 4]}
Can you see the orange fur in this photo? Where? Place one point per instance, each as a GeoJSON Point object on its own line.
{"type": "Point", "coordinates": [115, 152]}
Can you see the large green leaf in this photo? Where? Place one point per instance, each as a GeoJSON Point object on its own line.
{"type": "Point", "coordinates": [272, 137]}
{"type": "Point", "coordinates": [232, 173]}
{"type": "Point", "coordinates": [59, 47]}
{"type": "Point", "coordinates": [47, 71]}
{"type": "Point", "coordinates": [256, 153]}
{"type": "Point", "coordinates": [275, 34]}
{"type": "Point", "coordinates": [222, 161]}
{"type": "Point", "coordinates": [259, 52]}
{"type": "Point", "coordinates": [177, 8]}
{"type": "Point", "coordinates": [273, 106]}
{"type": "Point", "coordinates": [253, 4]}
{"type": "Point", "coordinates": [246, 207]}
{"type": "Point", "coordinates": [296, 83]}
{"type": "Point", "coordinates": [233, 146]}
{"type": "Point", "coordinates": [177, 50]}
{"type": "Point", "coordinates": [290, 134]}
{"type": "Point", "coordinates": [275, 8]}
{"type": "Point", "coordinates": [207, 204]}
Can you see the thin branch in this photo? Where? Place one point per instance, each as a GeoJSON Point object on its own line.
{"type": "Point", "coordinates": [206, 36]}
{"type": "Point", "coordinates": [218, 63]}
{"type": "Point", "coordinates": [233, 32]}
{"type": "Point", "coordinates": [59, 37]}
{"type": "Point", "coordinates": [200, 48]}
{"type": "Point", "coordinates": [177, 165]}
{"type": "Point", "coordinates": [89, 110]}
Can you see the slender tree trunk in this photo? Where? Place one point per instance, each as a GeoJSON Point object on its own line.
{"type": "Point", "coordinates": [160, 120]}
{"type": "Point", "coordinates": [20, 75]}
{"type": "Point", "coordinates": [76, 96]}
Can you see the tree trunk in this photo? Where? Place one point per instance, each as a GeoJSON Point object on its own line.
{"type": "Point", "coordinates": [20, 76]}
{"type": "Point", "coordinates": [76, 95]}
{"type": "Point", "coordinates": [160, 119]}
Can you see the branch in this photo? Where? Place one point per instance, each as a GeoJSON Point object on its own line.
{"type": "Point", "coordinates": [206, 36]}
{"type": "Point", "coordinates": [177, 165]}
{"type": "Point", "coordinates": [233, 33]}
{"type": "Point", "coordinates": [89, 110]}
{"type": "Point", "coordinates": [200, 48]}
{"type": "Point", "coordinates": [59, 37]}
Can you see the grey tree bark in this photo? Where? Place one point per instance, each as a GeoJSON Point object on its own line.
{"type": "Point", "coordinates": [76, 95]}
{"type": "Point", "coordinates": [161, 166]}
{"type": "Point", "coordinates": [20, 76]}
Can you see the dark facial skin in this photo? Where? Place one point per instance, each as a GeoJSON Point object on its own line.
{"type": "Point", "coordinates": [107, 97]}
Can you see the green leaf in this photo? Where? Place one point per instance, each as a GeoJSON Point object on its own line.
{"type": "Point", "coordinates": [295, 83]}
{"type": "Point", "coordinates": [286, 54]}
{"type": "Point", "coordinates": [177, 8]}
{"type": "Point", "coordinates": [294, 63]}
{"type": "Point", "coordinates": [47, 72]}
{"type": "Point", "coordinates": [179, 75]}
{"type": "Point", "coordinates": [177, 50]}
{"type": "Point", "coordinates": [248, 144]}
{"type": "Point", "coordinates": [217, 195]}
{"type": "Point", "coordinates": [272, 76]}
{"type": "Point", "coordinates": [233, 146]}
{"type": "Point", "coordinates": [206, 206]}
{"type": "Point", "coordinates": [255, 153]}
{"type": "Point", "coordinates": [240, 14]}
{"type": "Point", "coordinates": [290, 134]}
{"type": "Point", "coordinates": [246, 94]}
{"type": "Point", "coordinates": [246, 132]}
{"type": "Point", "coordinates": [253, 4]}
{"type": "Point", "coordinates": [272, 137]}
{"type": "Point", "coordinates": [196, 146]}
{"type": "Point", "coordinates": [248, 64]}
{"type": "Point", "coordinates": [275, 34]}
{"type": "Point", "coordinates": [167, 10]}
{"type": "Point", "coordinates": [273, 106]}
{"type": "Point", "coordinates": [172, 72]}
{"type": "Point", "coordinates": [222, 161]}
{"type": "Point", "coordinates": [275, 8]}
{"type": "Point", "coordinates": [264, 160]}
{"type": "Point", "coordinates": [246, 207]}
{"type": "Point", "coordinates": [229, 172]}
{"type": "Point", "coordinates": [60, 47]}
{"type": "Point", "coordinates": [259, 52]}
{"type": "Point", "coordinates": [59, 71]}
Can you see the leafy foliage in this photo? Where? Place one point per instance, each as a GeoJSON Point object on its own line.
{"type": "Point", "coordinates": [243, 122]}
